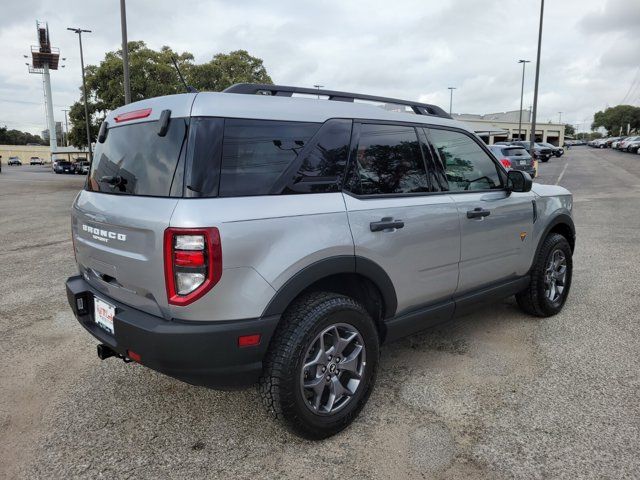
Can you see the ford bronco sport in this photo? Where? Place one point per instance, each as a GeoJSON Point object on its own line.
{"type": "Point", "coordinates": [261, 236]}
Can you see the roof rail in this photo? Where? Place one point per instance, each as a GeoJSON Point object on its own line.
{"type": "Point", "coordinates": [286, 91]}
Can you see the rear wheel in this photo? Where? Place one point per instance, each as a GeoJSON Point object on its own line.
{"type": "Point", "coordinates": [321, 365]}
{"type": "Point", "coordinates": [550, 278]}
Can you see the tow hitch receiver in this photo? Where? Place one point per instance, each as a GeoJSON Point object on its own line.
{"type": "Point", "coordinates": [104, 352]}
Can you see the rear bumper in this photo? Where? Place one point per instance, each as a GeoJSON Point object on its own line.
{"type": "Point", "coordinates": [200, 353]}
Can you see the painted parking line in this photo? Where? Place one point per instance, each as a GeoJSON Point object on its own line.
{"type": "Point", "coordinates": [562, 173]}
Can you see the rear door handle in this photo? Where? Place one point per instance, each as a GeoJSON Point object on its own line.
{"type": "Point", "coordinates": [386, 223]}
{"type": "Point", "coordinates": [478, 212]}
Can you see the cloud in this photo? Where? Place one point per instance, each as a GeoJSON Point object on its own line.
{"type": "Point", "coordinates": [407, 48]}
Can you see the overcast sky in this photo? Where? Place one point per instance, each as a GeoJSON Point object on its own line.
{"type": "Point", "coordinates": [410, 49]}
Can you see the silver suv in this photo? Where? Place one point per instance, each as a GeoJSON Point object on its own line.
{"type": "Point", "coordinates": [260, 235]}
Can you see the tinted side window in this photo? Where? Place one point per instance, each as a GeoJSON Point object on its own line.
{"type": "Point", "coordinates": [467, 165]}
{"type": "Point", "coordinates": [256, 152]}
{"type": "Point", "coordinates": [388, 160]}
{"type": "Point", "coordinates": [319, 168]}
{"type": "Point", "coordinates": [204, 153]}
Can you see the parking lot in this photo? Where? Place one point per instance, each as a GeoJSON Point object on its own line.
{"type": "Point", "coordinates": [497, 394]}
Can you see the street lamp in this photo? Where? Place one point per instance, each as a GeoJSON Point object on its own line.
{"type": "Point", "coordinates": [125, 52]}
{"type": "Point", "coordinates": [523, 62]}
{"type": "Point", "coordinates": [535, 88]}
{"type": "Point", "coordinates": [66, 126]}
{"type": "Point", "coordinates": [451, 89]}
{"type": "Point", "coordinates": [560, 118]}
{"type": "Point", "coordinates": [318, 87]}
{"type": "Point", "coordinates": [79, 31]}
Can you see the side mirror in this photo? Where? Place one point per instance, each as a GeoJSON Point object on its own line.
{"type": "Point", "coordinates": [518, 181]}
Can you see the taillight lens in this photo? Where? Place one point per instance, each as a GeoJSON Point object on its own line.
{"type": "Point", "coordinates": [192, 263]}
{"type": "Point", "coordinates": [506, 162]}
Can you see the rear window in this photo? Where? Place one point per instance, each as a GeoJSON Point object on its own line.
{"type": "Point", "coordinates": [135, 160]}
{"type": "Point", "coordinates": [514, 152]}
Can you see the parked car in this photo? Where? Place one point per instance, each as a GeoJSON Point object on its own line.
{"type": "Point", "coordinates": [616, 143]}
{"type": "Point", "coordinates": [600, 143]}
{"type": "Point", "coordinates": [36, 161]}
{"type": "Point", "coordinates": [634, 145]}
{"type": "Point", "coordinates": [539, 152]}
{"type": "Point", "coordinates": [514, 157]}
{"type": "Point", "coordinates": [285, 260]}
{"type": "Point", "coordinates": [624, 144]}
{"type": "Point", "coordinates": [82, 167]}
{"type": "Point", "coordinates": [64, 166]}
{"type": "Point", "coordinates": [556, 151]}
{"type": "Point", "coordinates": [14, 161]}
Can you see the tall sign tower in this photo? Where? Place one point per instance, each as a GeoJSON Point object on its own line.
{"type": "Point", "coordinates": [44, 58]}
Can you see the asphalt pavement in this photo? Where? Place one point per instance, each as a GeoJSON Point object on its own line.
{"type": "Point", "coordinates": [496, 394]}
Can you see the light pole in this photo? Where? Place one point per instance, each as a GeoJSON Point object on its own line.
{"type": "Point", "coordinates": [535, 88]}
{"type": "Point", "coordinates": [125, 52]}
{"type": "Point", "coordinates": [451, 89]}
{"type": "Point", "coordinates": [79, 31]}
{"type": "Point", "coordinates": [66, 127]}
{"type": "Point", "coordinates": [318, 87]}
{"type": "Point", "coordinates": [560, 118]}
{"type": "Point", "coordinates": [523, 62]}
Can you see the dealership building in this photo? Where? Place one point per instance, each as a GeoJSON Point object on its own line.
{"type": "Point", "coordinates": [503, 126]}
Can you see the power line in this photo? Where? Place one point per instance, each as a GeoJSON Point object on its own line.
{"type": "Point", "coordinates": [26, 102]}
{"type": "Point", "coordinates": [634, 84]}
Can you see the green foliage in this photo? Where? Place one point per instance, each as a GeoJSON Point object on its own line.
{"type": "Point", "coordinates": [16, 137]}
{"type": "Point", "coordinates": [152, 74]}
{"type": "Point", "coordinates": [616, 119]}
{"type": "Point", "coordinates": [569, 129]}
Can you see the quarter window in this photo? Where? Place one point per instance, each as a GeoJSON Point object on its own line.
{"type": "Point", "coordinates": [467, 165]}
{"type": "Point", "coordinates": [256, 152]}
{"type": "Point", "coordinates": [388, 160]}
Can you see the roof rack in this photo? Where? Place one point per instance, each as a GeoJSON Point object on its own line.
{"type": "Point", "coordinates": [286, 91]}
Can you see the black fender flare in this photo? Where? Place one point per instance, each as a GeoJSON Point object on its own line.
{"type": "Point", "coordinates": [332, 266]}
{"type": "Point", "coordinates": [560, 219]}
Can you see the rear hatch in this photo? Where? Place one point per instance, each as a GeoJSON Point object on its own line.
{"type": "Point", "coordinates": [133, 186]}
{"type": "Point", "coordinates": [518, 156]}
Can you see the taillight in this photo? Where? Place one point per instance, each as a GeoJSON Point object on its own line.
{"type": "Point", "coordinates": [192, 263]}
{"type": "Point", "coordinates": [506, 163]}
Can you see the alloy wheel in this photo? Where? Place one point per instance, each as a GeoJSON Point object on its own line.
{"type": "Point", "coordinates": [333, 368]}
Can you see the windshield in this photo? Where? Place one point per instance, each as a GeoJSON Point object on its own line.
{"type": "Point", "coordinates": [135, 160]}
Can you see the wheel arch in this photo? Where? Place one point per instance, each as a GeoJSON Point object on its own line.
{"type": "Point", "coordinates": [354, 276]}
{"type": "Point", "coordinates": [561, 224]}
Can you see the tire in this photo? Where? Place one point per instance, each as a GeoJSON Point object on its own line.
{"type": "Point", "coordinates": [535, 299]}
{"type": "Point", "coordinates": [295, 343]}
{"type": "Point", "coordinates": [544, 160]}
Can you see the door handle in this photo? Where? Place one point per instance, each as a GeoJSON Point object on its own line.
{"type": "Point", "coordinates": [478, 212]}
{"type": "Point", "coordinates": [385, 224]}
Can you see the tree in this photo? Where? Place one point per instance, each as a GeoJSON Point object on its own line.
{"type": "Point", "coordinates": [153, 74]}
{"type": "Point", "coordinates": [569, 129]}
{"type": "Point", "coordinates": [616, 120]}
{"type": "Point", "coordinates": [16, 137]}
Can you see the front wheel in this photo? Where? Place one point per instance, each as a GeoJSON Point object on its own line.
{"type": "Point", "coordinates": [321, 365]}
{"type": "Point", "coordinates": [544, 160]}
{"type": "Point", "coordinates": [550, 278]}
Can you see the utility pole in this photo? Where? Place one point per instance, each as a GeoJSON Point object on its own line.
{"type": "Point", "coordinates": [451, 89]}
{"type": "Point", "coordinates": [125, 52]}
{"type": "Point", "coordinates": [535, 88]}
{"type": "Point", "coordinates": [318, 87]}
{"type": "Point", "coordinates": [523, 62]}
{"type": "Point", "coordinates": [66, 127]}
{"type": "Point", "coordinates": [79, 31]}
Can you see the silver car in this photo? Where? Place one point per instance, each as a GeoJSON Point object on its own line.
{"type": "Point", "coordinates": [514, 157]}
{"type": "Point", "coordinates": [260, 236]}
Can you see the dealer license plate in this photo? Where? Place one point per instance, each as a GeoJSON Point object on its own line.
{"type": "Point", "coordinates": [103, 314]}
